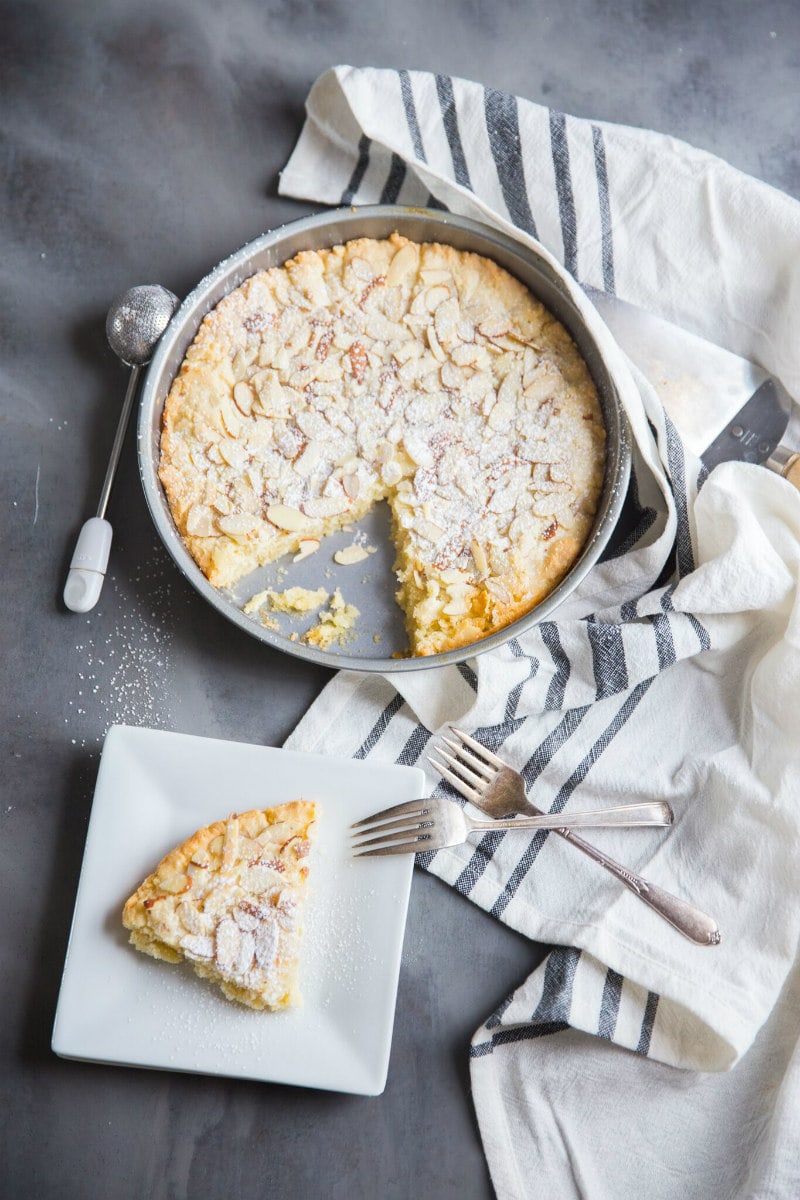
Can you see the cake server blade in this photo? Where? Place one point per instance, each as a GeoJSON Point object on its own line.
{"type": "Point", "coordinates": [724, 406]}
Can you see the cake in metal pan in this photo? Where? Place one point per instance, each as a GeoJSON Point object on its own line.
{"type": "Point", "coordinates": [389, 370]}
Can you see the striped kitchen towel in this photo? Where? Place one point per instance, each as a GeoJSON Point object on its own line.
{"type": "Point", "coordinates": [671, 673]}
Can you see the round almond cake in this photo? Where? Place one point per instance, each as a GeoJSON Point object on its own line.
{"type": "Point", "coordinates": [388, 370]}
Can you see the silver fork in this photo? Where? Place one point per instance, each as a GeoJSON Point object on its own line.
{"type": "Point", "coordinates": [498, 790]}
{"type": "Point", "coordinates": [432, 823]}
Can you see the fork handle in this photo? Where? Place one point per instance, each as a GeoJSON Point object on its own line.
{"type": "Point", "coordinates": [694, 924]}
{"type": "Point", "coordinates": [654, 812]}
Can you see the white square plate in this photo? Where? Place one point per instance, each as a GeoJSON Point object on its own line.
{"type": "Point", "coordinates": [116, 1005]}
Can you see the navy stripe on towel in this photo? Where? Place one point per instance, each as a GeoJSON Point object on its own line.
{"type": "Point", "coordinates": [394, 180]}
{"type": "Point", "coordinates": [677, 470]}
{"type": "Point", "coordinates": [359, 171]}
{"type": "Point", "coordinates": [502, 126]}
{"type": "Point", "coordinates": [379, 728]}
{"type": "Point", "coordinates": [559, 977]}
{"type": "Point", "coordinates": [411, 115]}
{"type": "Point", "coordinates": [447, 103]}
{"type": "Point", "coordinates": [466, 672]}
{"type": "Point", "coordinates": [566, 199]}
{"type": "Point", "coordinates": [601, 171]}
{"type": "Point", "coordinates": [558, 684]}
{"type": "Point", "coordinates": [609, 1005]}
{"type": "Point", "coordinates": [608, 658]}
{"type": "Point", "coordinates": [648, 1022]}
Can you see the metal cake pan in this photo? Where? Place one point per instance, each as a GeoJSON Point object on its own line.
{"type": "Point", "coordinates": [380, 638]}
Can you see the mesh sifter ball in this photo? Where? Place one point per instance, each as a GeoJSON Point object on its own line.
{"type": "Point", "coordinates": [136, 320]}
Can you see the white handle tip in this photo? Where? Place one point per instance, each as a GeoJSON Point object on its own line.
{"type": "Point", "coordinates": [82, 589]}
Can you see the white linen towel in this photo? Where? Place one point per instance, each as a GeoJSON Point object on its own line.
{"type": "Point", "coordinates": [672, 673]}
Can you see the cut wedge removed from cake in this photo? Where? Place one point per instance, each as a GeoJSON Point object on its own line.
{"type": "Point", "coordinates": [230, 900]}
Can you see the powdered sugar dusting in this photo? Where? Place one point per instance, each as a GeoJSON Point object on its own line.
{"type": "Point", "coordinates": [123, 666]}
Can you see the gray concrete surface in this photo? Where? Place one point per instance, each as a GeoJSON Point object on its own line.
{"type": "Point", "coordinates": [142, 142]}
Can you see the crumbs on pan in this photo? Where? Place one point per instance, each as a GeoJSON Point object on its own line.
{"type": "Point", "coordinates": [293, 600]}
{"type": "Point", "coordinates": [336, 624]}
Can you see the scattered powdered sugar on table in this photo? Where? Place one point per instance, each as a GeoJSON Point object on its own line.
{"type": "Point", "coordinates": [124, 664]}
{"type": "Point", "coordinates": [338, 948]}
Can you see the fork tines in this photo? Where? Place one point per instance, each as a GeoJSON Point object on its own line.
{"type": "Point", "coordinates": [474, 768]}
{"type": "Point", "coordinates": [400, 823]}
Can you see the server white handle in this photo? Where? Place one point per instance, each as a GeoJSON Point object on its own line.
{"type": "Point", "coordinates": [88, 567]}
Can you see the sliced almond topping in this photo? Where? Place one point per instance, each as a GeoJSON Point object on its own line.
{"type": "Point", "coordinates": [351, 485]}
{"type": "Point", "coordinates": [271, 398]}
{"type": "Point", "coordinates": [358, 361]}
{"type": "Point", "coordinates": [509, 341]}
{"type": "Point", "coordinates": [501, 414]}
{"type": "Point", "coordinates": [238, 525]}
{"type": "Point", "coordinates": [361, 269]}
{"type": "Point", "coordinates": [470, 355]}
{"type": "Point", "coordinates": [287, 518]}
{"type": "Point", "coordinates": [391, 473]}
{"type": "Point", "coordinates": [350, 555]}
{"type": "Point", "coordinates": [267, 941]}
{"type": "Point", "coordinates": [231, 421]}
{"type": "Point", "coordinates": [409, 370]}
{"type": "Point", "coordinates": [307, 546]}
{"type": "Point", "coordinates": [324, 507]}
{"type": "Point", "coordinates": [233, 454]}
{"type": "Point", "coordinates": [405, 350]}
{"type": "Point", "coordinates": [244, 397]}
{"type": "Point", "coordinates": [230, 845]}
{"type": "Point", "coordinates": [402, 265]}
{"type": "Point", "coordinates": [446, 320]}
{"type": "Point", "coordinates": [380, 328]}
{"type": "Point", "coordinates": [451, 376]}
{"type": "Point", "coordinates": [312, 424]}
{"type": "Point", "coordinates": [175, 884]}
{"type": "Point", "coordinates": [433, 342]}
{"type": "Point", "coordinates": [494, 326]}
{"type": "Point", "coordinates": [418, 449]}
{"type": "Point", "coordinates": [330, 370]}
{"type": "Point", "coordinates": [503, 500]}
{"type": "Point", "coordinates": [479, 557]}
{"type": "Point", "coordinates": [430, 530]}
{"type": "Point", "coordinates": [200, 521]}
{"type": "Point", "coordinates": [435, 296]}
{"type": "Point", "coordinates": [510, 387]}
{"type": "Point", "coordinates": [198, 945]}
{"type": "Point", "coordinates": [226, 950]}
{"type": "Point", "coordinates": [190, 918]}
{"type": "Point", "coordinates": [310, 459]}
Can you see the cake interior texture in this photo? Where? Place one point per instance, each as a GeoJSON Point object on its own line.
{"type": "Point", "coordinates": [387, 370]}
